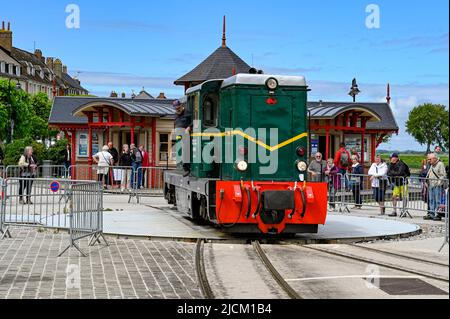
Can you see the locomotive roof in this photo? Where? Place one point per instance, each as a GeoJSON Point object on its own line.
{"type": "Point", "coordinates": [260, 79]}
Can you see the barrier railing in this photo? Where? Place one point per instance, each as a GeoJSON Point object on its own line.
{"type": "Point", "coordinates": [53, 203]}
{"type": "Point", "coordinates": [397, 194]}
{"type": "Point", "coordinates": [136, 181]}
{"type": "Point", "coordinates": [43, 171]}
{"type": "Point", "coordinates": [446, 221]}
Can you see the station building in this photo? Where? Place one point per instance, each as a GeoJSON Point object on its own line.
{"type": "Point", "coordinates": [144, 120]}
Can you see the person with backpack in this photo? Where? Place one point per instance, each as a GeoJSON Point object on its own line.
{"type": "Point", "coordinates": [435, 180]}
{"type": "Point", "coordinates": [342, 162]}
{"type": "Point", "coordinates": [398, 171]}
{"type": "Point", "coordinates": [136, 173]}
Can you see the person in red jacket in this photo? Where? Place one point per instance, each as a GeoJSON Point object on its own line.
{"type": "Point", "coordinates": [342, 160]}
{"type": "Point", "coordinates": [145, 165]}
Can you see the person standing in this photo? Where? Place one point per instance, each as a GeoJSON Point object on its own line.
{"type": "Point", "coordinates": [115, 156]}
{"type": "Point", "coordinates": [342, 161]}
{"type": "Point", "coordinates": [334, 181]}
{"type": "Point", "coordinates": [317, 168]}
{"type": "Point", "coordinates": [28, 167]}
{"type": "Point", "coordinates": [125, 163]}
{"type": "Point", "coordinates": [105, 160]}
{"type": "Point", "coordinates": [356, 181]}
{"type": "Point", "coordinates": [67, 159]}
{"type": "Point", "coordinates": [435, 178]}
{"type": "Point", "coordinates": [398, 171]}
{"type": "Point", "coordinates": [145, 165]}
{"type": "Point", "coordinates": [136, 173]}
{"type": "Point", "coordinates": [378, 177]}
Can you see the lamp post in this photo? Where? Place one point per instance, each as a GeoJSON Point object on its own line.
{"type": "Point", "coordinates": [354, 90]}
{"type": "Point", "coordinates": [13, 113]}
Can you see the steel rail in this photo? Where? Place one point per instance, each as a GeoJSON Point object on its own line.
{"type": "Point", "coordinates": [272, 270]}
{"type": "Point", "coordinates": [201, 272]}
{"type": "Point", "coordinates": [385, 252]}
{"type": "Point", "coordinates": [375, 262]}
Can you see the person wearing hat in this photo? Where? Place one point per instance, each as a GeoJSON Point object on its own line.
{"type": "Point", "coordinates": [183, 122]}
{"type": "Point", "coordinates": [398, 171]}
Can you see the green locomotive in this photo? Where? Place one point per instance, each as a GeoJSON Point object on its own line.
{"type": "Point", "coordinates": [242, 162]}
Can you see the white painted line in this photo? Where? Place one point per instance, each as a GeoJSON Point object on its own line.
{"type": "Point", "coordinates": [351, 276]}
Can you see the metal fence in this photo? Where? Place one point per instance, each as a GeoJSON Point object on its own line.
{"type": "Point", "coordinates": [397, 194]}
{"type": "Point", "coordinates": [43, 171]}
{"type": "Point", "coordinates": [53, 203]}
{"type": "Point", "coordinates": [134, 181]}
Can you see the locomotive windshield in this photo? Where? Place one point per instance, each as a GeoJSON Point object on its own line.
{"type": "Point", "coordinates": [210, 110]}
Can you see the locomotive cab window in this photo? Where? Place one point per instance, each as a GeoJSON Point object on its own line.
{"type": "Point", "coordinates": [210, 110]}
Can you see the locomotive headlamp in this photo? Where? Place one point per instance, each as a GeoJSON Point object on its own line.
{"type": "Point", "coordinates": [272, 83]}
{"type": "Point", "coordinates": [242, 166]}
{"type": "Point", "coordinates": [302, 166]}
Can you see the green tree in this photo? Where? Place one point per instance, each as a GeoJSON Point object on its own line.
{"type": "Point", "coordinates": [41, 107]}
{"type": "Point", "coordinates": [427, 123]}
{"type": "Point", "coordinates": [15, 109]}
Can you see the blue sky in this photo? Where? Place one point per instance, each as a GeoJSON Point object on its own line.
{"type": "Point", "coordinates": [124, 46]}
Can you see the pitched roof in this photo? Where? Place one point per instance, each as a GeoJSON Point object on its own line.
{"type": "Point", "coordinates": [64, 107]}
{"type": "Point", "coordinates": [144, 95]}
{"type": "Point", "coordinates": [72, 82]}
{"type": "Point", "coordinates": [25, 57]}
{"type": "Point", "coordinates": [329, 110]}
{"type": "Point", "coordinates": [219, 65]}
{"type": "Point", "coordinates": [4, 56]}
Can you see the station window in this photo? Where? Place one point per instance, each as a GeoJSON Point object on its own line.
{"type": "Point", "coordinates": [165, 148]}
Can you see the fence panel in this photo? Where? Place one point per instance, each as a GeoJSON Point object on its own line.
{"type": "Point", "coordinates": [53, 203]}
{"type": "Point", "coordinates": [42, 171]}
{"type": "Point", "coordinates": [393, 193]}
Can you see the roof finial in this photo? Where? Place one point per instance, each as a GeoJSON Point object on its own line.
{"type": "Point", "coordinates": [224, 36]}
{"type": "Point", "coordinates": [388, 96]}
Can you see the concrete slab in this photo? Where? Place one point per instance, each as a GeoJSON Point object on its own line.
{"type": "Point", "coordinates": [350, 227]}
{"type": "Point", "coordinates": [154, 218]}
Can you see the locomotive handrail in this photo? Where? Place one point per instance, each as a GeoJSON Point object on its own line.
{"type": "Point", "coordinates": [258, 193]}
{"type": "Point", "coordinates": [302, 193]}
{"type": "Point", "coordinates": [249, 202]}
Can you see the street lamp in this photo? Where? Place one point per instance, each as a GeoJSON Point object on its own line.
{"type": "Point", "coordinates": [354, 90]}
{"type": "Point", "coordinates": [13, 116]}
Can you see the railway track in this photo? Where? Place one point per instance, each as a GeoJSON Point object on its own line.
{"type": "Point", "coordinates": [389, 253]}
{"type": "Point", "coordinates": [273, 271]}
{"type": "Point", "coordinates": [202, 278]}
{"type": "Point", "coordinates": [380, 263]}
{"type": "Point", "coordinates": [201, 272]}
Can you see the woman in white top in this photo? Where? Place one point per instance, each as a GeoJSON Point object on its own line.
{"type": "Point", "coordinates": [378, 177]}
{"type": "Point", "coordinates": [104, 160]}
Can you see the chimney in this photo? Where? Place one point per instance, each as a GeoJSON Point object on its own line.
{"type": "Point", "coordinates": [58, 68]}
{"type": "Point", "coordinates": [6, 37]}
{"type": "Point", "coordinates": [38, 54]}
{"type": "Point", "coordinates": [50, 63]}
{"type": "Point", "coordinates": [64, 69]}
{"type": "Point", "coordinates": [161, 96]}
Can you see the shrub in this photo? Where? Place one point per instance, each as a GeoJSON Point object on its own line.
{"type": "Point", "coordinates": [14, 150]}
{"type": "Point", "coordinates": [56, 152]}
